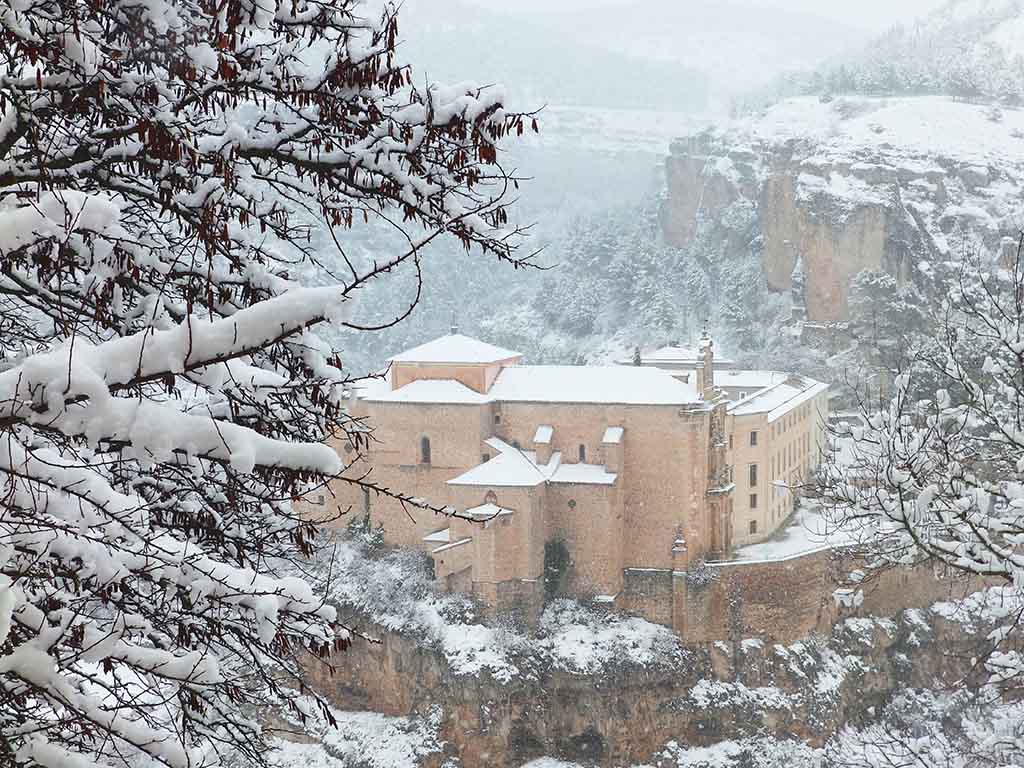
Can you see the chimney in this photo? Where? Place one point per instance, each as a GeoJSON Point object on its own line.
{"type": "Point", "coordinates": [542, 443]}
{"type": "Point", "coordinates": [611, 450]}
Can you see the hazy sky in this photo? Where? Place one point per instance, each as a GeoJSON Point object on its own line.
{"type": "Point", "coordinates": [870, 14]}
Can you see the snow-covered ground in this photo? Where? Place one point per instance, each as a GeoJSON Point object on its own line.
{"type": "Point", "coordinates": [810, 530]}
{"type": "Point", "coordinates": [958, 166]}
{"type": "Point", "coordinates": [392, 588]}
{"type": "Point", "coordinates": [364, 739]}
{"type": "Point", "coordinates": [918, 127]}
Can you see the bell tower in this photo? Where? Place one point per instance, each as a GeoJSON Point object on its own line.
{"type": "Point", "coordinates": [706, 365]}
{"type": "Point", "coordinates": [720, 481]}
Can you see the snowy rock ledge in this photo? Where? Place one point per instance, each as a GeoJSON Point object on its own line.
{"type": "Point", "coordinates": [392, 589]}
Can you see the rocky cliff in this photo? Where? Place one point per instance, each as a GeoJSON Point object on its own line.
{"type": "Point", "coordinates": [818, 190]}
{"type": "Point", "coordinates": [797, 695]}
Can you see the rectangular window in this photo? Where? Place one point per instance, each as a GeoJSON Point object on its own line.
{"type": "Point", "coordinates": [753, 475]}
{"type": "Point", "coordinates": [753, 502]}
{"type": "Point", "coordinates": [730, 441]}
{"type": "Point", "coordinates": [497, 418]}
{"type": "Point", "coordinates": [753, 437]}
{"type": "Point", "coordinates": [484, 458]}
{"type": "Point", "coordinates": [753, 526]}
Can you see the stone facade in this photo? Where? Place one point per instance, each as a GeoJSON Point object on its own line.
{"type": "Point", "coordinates": [773, 456]}
{"type": "Point", "coordinates": [626, 469]}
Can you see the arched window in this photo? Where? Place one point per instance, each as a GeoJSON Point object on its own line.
{"type": "Point", "coordinates": [583, 454]}
{"type": "Point", "coordinates": [424, 450]}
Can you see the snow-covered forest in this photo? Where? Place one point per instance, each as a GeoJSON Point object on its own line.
{"type": "Point", "coordinates": [219, 219]}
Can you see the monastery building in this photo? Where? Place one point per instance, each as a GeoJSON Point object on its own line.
{"type": "Point", "coordinates": [604, 474]}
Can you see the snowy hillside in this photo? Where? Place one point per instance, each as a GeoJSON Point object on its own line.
{"type": "Point", "coordinates": [970, 49]}
{"type": "Point", "coordinates": [819, 190]}
{"type": "Point", "coordinates": [956, 167]}
{"type": "Point", "coordinates": [892, 130]}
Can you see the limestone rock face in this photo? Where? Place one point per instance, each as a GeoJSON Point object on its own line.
{"type": "Point", "coordinates": [853, 184]}
{"type": "Point", "coordinates": [626, 715]}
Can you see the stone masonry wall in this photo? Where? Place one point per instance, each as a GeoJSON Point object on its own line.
{"type": "Point", "coordinates": [648, 593]}
{"type": "Point", "coordinates": [784, 600]}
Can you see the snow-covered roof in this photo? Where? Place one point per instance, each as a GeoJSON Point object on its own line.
{"type": "Point", "coordinates": [455, 348]}
{"type": "Point", "coordinates": [487, 512]}
{"type": "Point", "coordinates": [430, 391]}
{"type": "Point", "coordinates": [439, 537]}
{"type": "Point", "coordinates": [751, 379]}
{"type": "Point", "coordinates": [510, 468]}
{"type": "Point", "coordinates": [779, 399]}
{"type": "Point", "coordinates": [676, 355]}
{"type": "Point", "coordinates": [453, 545]}
{"type": "Point", "coordinates": [516, 468]}
{"type": "Point", "coordinates": [612, 435]}
{"type": "Point", "coordinates": [583, 474]}
{"type": "Point", "coordinates": [372, 387]}
{"type": "Point", "coordinates": [628, 385]}
{"type": "Point", "coordinates": [783, 408]}
{"type": "Point", "coordinates": [543, 434]}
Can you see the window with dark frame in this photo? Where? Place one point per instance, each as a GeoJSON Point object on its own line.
{"type": "Point", "coordinates": [753, 437]}
{"type": "Point", "coordinates": [753, 501]}
{"type": "Point", "coordinates": [424, 450]}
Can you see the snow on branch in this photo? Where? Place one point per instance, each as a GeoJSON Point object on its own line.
{"type": "Point", "coordinates": [940, 479]}
{"type": "Point", "coordinates": [170, 173]}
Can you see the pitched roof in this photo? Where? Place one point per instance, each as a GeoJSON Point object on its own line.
{"type": "Point", "coordinates": [628, 385]}
{"type": "Point", "coordinates": [516, 468]}
{"type": "Point", "coordinates": [748, 378]}
{"type": "Point", "coordinates": [779, 399]}
{"type": "Point", "coordinates": [488, 512]}
{"type": "Point", "coordinates": [455, 348]}
{"type": "Point", "coordinates": [583, 474]}
{"type": "Point", "coordinates": [511, 468]}
{"type": "Point", "coordinates": [443, 536]}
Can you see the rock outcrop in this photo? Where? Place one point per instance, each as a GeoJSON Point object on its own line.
{"type": "Point", "coordinates": [821, 190]}
{"type": "Point", "coordinates": [627, 714]}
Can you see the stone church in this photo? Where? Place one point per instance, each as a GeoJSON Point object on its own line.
{"type": "Point", "coordinates": [607, 473]}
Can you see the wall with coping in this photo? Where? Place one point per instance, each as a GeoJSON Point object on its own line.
{"type": "Point", "coordinates": [790, 598]}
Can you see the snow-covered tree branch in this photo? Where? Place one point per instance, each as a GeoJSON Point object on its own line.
{"type": "Point", "coordinates": [941, 480]}
{"type": "Point", "coordinates": [165, 171]}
